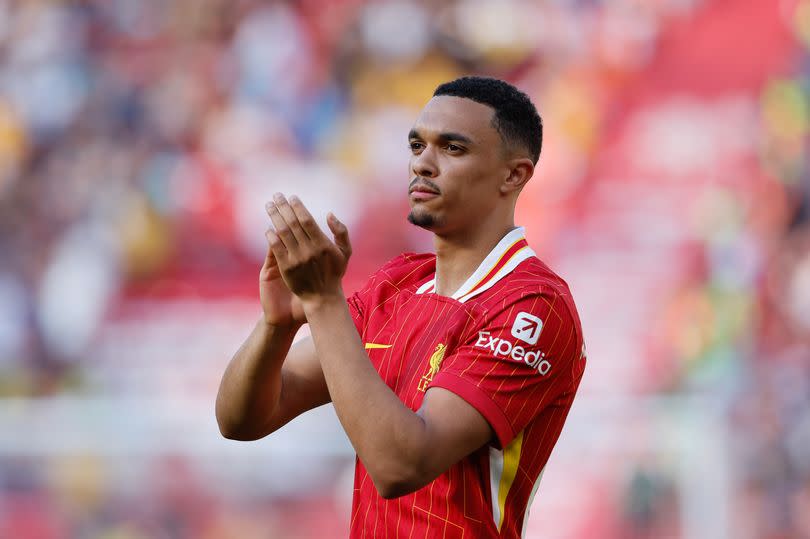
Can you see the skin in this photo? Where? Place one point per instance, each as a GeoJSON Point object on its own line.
{"type": "Point", "coordinates": [458, 154]}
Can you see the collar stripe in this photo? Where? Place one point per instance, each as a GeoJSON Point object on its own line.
{"type": "Point", "coordinates": [507, 268]}
{"type": "Point", "coordinates": [510, 252]}
{"type": "Point", "coordinates": [504, 257]}
{"type": "Point", "coordinates": [490, 261]}
{"type": "Point", "coordinates": [427, 287]}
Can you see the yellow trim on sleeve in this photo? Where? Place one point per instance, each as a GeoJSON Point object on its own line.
{"type": "Point", "coordinates": [511, 459]}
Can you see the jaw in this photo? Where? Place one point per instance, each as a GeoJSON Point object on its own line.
{"type": "Point", "coordinates": [423, 218]}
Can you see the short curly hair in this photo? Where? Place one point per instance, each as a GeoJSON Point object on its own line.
{"type": "Point", "coordinates": [516, 117]}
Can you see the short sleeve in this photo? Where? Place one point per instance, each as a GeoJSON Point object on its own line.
{"type": "Point", "coordinates": [357, 308]}
{"type": "Point", "coordinates": [520, 359]}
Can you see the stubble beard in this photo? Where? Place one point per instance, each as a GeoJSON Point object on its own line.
{"type": "Point", "coordinates": [422, 219]}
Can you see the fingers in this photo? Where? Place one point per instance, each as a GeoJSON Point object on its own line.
{"type": "Point", "coordinates": [270, 269]}
{"type": "Point", "coordinates": [295, 228]}
{"type": "Point", "coordinates": [276, 248]}
{"type": "Point", "coordinates": [270, 257]}
{"type": "Point", "coordinates": [341, 234]}
{"type": "Point", "coordinates": [285, 222]}
{"type": "Point", "coordinates": [305, 219]}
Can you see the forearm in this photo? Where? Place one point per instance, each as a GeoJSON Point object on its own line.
{"type": "Point", "coordinates": [389, 437]}
{"type": "Point", "coordinates": [251, 386]}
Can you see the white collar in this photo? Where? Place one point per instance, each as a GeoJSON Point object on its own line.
{"type": "Point", "coordinates": [506, 255]}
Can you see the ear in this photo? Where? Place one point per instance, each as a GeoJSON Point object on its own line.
{"type": "Point", "coordinates": [520, 171]}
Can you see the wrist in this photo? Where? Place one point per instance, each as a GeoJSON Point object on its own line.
{"type": "Point", "coordinates": [317, 302]}
{"type": "Point", "coordinates": [276, 327]}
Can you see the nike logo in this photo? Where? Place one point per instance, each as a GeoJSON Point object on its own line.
{"type": "Point", "coordinates": [372, 345]}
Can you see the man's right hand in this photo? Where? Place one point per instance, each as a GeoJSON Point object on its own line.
{"type": "Point", "coordinates": [280, 306]}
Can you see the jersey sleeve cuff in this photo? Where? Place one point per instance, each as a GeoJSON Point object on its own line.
{"type": "Point", "coordinates": [478, 400]}
{"type": "Point", "coordinates": [356, 312]}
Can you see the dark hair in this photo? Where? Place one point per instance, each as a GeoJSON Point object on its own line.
{"type": "Point", "coordinates": [516, 117]}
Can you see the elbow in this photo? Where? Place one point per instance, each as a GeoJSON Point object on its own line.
{"type": "Point", "coordinates": [231, 433]}
{"type": "Point", "coordinates": [234, 430]}
{"type": "Point", "coordinates": [401, 481]}
{"type": "Point", "coordinates": [394, 490]}
{"type": "Point", "coordinates": [239, 434]}
{"type": "Point", "coordinates": [228, 429]}
{"type": "Point", "coordinates": [403, 468]}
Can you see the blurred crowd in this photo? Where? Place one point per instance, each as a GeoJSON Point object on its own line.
{"type": "Point", "coordinates": [139, 140]}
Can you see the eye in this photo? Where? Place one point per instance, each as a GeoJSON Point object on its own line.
{"type": "Point", "coordinates": [452, 148]}
{"type": "Point", "coordinates": [415, 146]}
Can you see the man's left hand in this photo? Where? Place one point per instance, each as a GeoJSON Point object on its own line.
{"type": "Point", "coordinates": [311, 264]}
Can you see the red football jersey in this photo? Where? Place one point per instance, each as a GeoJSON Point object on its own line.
{"type": "Point", "coordinates": [509, 342]}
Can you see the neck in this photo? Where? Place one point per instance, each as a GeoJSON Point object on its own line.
{"type": "Point", "coordinates": [458, 255]}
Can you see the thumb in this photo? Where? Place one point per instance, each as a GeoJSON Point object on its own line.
{"type": "Point", "coordinates": [341, 234]}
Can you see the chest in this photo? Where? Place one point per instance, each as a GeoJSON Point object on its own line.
{"type": "Point", "coordinates": [408, 336]}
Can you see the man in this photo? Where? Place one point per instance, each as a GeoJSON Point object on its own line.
{"type": "Point", "coordinates": [452, 374]}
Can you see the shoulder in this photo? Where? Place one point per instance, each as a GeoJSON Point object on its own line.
{"type": "Point", "coordinates": [407, 268]}
{"type": "Point", "coordinates": [531, 290]}
{"type": "Point", "coordinates": [530, 314]}
{"type": "Point", "coordinates": [530, 279]}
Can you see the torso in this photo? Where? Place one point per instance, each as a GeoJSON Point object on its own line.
{"type": "Point", "coordinates": [417, 339]}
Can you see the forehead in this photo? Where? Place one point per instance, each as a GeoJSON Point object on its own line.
{"type": "Point", "coordinates": [450, 114]}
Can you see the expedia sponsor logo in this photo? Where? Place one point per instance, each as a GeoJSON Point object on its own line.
{"type": "Point", "coordinates": [503, 348]}
{"type": "Point", "coordinates": [527, 327]}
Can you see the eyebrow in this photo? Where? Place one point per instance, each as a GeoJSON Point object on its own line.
{"type": "Point", "coordinates": [443, 137]}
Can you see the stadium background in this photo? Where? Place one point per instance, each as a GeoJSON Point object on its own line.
{"type": "Point", "coordinates": [139, 140]}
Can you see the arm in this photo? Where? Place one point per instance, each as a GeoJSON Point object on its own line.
{"type": "Point", "coordinates": [267, 383]}
{"type": "Point", "coordinates": [401, 450]}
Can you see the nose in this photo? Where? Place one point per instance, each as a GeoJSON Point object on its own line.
{"type": "Point", "coordinates": [424, 164]}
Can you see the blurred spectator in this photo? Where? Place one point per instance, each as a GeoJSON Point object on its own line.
{"type": "Point", "coordinates": [140, 139]}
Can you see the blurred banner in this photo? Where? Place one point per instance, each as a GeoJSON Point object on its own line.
{"type": "Point", "coordinates": [139, 140]}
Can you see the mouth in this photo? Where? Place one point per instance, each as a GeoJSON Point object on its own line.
{"type": "Point", "coordinates": [422, 192]}
{"type": "Point", "coordinates": [421, 196]}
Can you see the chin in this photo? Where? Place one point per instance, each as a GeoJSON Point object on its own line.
{"type": "Point", "coordinates": [422, 219]}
